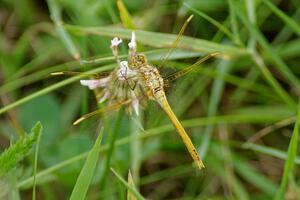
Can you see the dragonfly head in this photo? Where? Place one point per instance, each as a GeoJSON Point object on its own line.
{"type": "Point", "coordinates": [137, 60]}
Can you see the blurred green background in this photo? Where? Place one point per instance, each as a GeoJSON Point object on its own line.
{"type": "Point", "coordinates": [240, 109]}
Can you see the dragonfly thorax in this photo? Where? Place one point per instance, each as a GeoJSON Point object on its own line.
{"type": "Point", "coordinates": [151, 80]}
{"type": "Point", "coordinates": [137, 60]}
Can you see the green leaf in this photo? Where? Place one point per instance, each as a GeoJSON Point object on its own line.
{"type": "Point", "coordinates": [16, 152]}
{"type": "Point", "coordinates": [85, 177]}
{"type": "Point", "coordinates": [77, 143]}
{"type": "Point", "coordinates": [47, 110]}
{"type": "Point", "coordinates": [290, 161]}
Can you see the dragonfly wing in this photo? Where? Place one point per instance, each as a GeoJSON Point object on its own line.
{"type": "Point", "coordinates": [175, 44]}
{"type": "Point", "coordinates": [183, 72]}
{"type": "Point", "coordinates": [72, 73]}
{"type": "Point", "coordinates": [102, 110]}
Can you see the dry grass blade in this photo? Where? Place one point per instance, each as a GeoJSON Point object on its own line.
{"type": "Point", "coordinates": [130, 196]}
{"type": "Point", "coordinates": [265, 131]}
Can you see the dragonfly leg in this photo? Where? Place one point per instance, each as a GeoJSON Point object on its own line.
{"type": "Point", "coordinates": [132, 87]}
{"type": "Point", "coordinates": [102, 110]}
{"type": "Point", "coordinates": [124, 76]}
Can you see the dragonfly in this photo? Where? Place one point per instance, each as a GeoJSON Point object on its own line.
{"type": "Point", "coordinates": [135, 81]}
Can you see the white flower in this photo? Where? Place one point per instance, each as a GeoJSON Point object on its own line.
{"type": "Point", "coordinates": [105, 96]}
{"type": "Point", "coordinates": [135, 105]}
{"type": "Point", "coordinates": [119, 85]}
{"type": "Point", "coordinates": [132, 43]}
{"type": "Point", "coordinates": [115, 42]}
{"type": "Point", "coordinates": [125, 72]}
{"type": "Point", "coordinates": [95, 83]}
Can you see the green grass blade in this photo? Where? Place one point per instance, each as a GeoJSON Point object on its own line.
{"type": "Point", "coordinates": [216, 165]}
{"type": "Point", "coordinates": [233, 182]}
{"type": "Point", "coordinates": [212, 21]}
{"type": "Point", "coordinates": [55, 12]}
{"type": "Point", "coordinates": [273, 82]}
{"type": "Point", "coordinates": [276, 59]}
{"type": "Point", "coordinates": [226, 119]}
{"type": "Point", "coordinates": [290, 161]}
{"type": "Point", "coordinates": [153, 55]}
{"type": "Point", "coordinates": [112, 141]}
{"type": "Point", "coordinates": [218, 87]}
{"type": "Point", "coordinates": [51, 88]}
{"type": "Point", "coordinates": [244, 83]}
{"type": "Point", "coordinates": [286, 33]}
{"type": "Point", "coordinates": [160, 39]}
{"type": "Point", "coordinates": [288, 20]}
{"type": "Point", "coordinates": [85, 177]}
{"type": "Point", "coordinates": [269, 151]}
{"type": "Point", "coordinates": [253, 176]}
{"type": "Point", "coordinates": [177, 171]}
{"type": "Point", "coordinates": [110, 9]}
{"type": "Point", "coordinates": [289, 49]}
{"type": "Point", "coordinates": [250, 6]}
{"type": "Point", "coordinates": [127, 20]}
{"type": "Point", "coordinates": [233, 21]}
{"type": "Point", "coordinates": [129, 187]}
{"type": "Point", "coordinates": [136, 146]}
{"type": "Point", "coordinates": [36, 163]}
{"type": "Point", "coordinates": [124, 15]}
{"type": "Point", "coordinates": [16, 83]}
{"type": "Point", "coordinates": [248, 173]}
